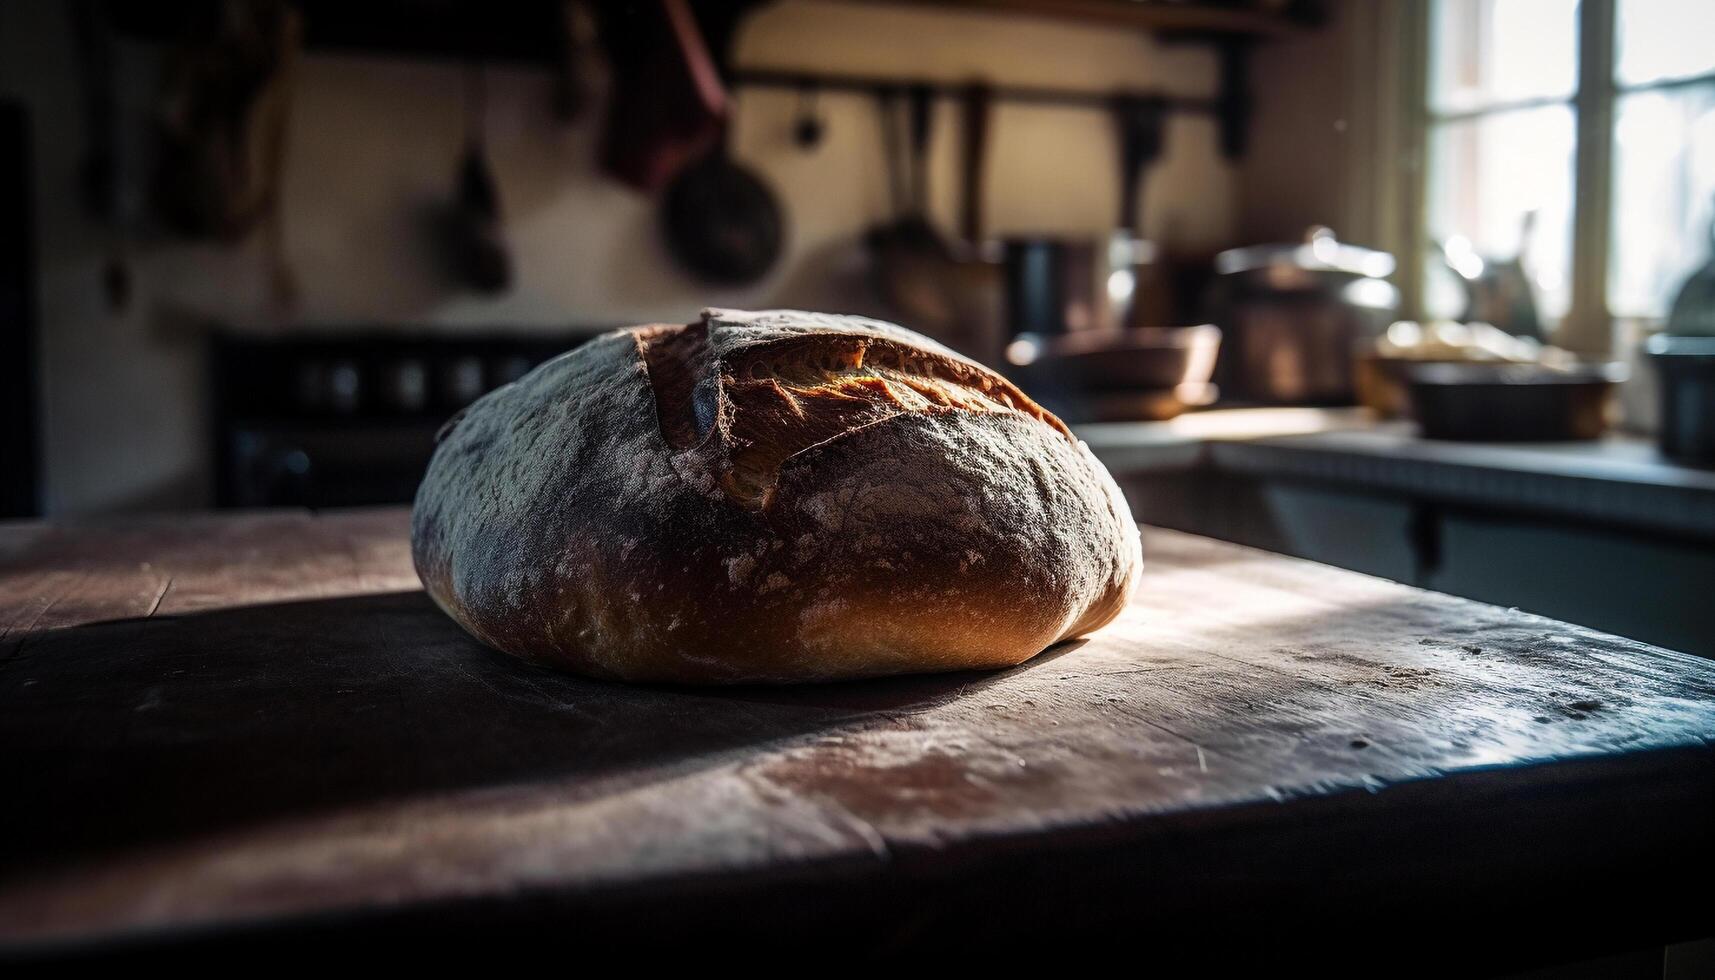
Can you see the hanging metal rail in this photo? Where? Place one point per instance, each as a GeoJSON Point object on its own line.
{"type": "Point", "coordinates": [1231, 107]}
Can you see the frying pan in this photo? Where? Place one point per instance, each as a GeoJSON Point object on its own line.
{"type": "Point", "coordinates": [721, 221]}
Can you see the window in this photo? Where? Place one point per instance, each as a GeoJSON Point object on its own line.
{"type": "Point", "coordinates": [1578, 137]}
{"type": "Point", "coordinates": [1664, 151]}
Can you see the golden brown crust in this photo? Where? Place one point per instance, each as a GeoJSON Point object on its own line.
{"type": "Point", "coordinates": [769, 497]}
{"type": "Point", "coordinates": [775, 397]}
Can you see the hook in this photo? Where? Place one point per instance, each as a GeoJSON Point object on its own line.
{"type": "Point", "coordinates": [808, 130]}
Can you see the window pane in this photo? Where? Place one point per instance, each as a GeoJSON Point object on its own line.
{"type": "Point", "coordinates": [1664, 39]}
{"type": "Point", "coordinates": [1486, 52]}
{"type": "Point", "coordinates": [1486, 175]}
{"type": "Point", "coordinates": [1664, 196]}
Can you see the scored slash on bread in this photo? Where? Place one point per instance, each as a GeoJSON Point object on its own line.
{"type": "Point", "coordinates": [755, 397]}
{"type": "Point", "coordinates": [774, 497]}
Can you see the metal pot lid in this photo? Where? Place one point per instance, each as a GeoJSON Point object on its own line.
{"type": "Point", "coordinates": [1693, 310]}
{"type": "Point", "coordinates": [1682, 348]}
{"type": "Point", "coordinates": [1319, 252]}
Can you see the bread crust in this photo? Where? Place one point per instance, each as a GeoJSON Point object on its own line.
{"type": "Point", "coordinates": [769, 497]}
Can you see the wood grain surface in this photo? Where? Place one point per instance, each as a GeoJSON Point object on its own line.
{"type": "Point", "coordinates": [256, 726]}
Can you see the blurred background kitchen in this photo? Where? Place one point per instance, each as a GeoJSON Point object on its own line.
{"type": "Point", "coordinates": [1417, 287]}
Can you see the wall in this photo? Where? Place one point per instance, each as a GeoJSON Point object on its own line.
{"type": "Point", "coordinates": [1324, 142]}
{"type": "Point", "coordinates": [372, 147]}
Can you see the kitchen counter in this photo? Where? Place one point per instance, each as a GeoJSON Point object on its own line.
{"type": "Point", "coordinates": [257, 726]}
{"type": "Point", "coordinates": [1620, 480]}
{"type": "Point", "coordinates": [1607, 533]}
{"type": "Point", "coordinates": [1132, 447]}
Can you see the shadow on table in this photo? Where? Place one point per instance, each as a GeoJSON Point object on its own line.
{"type": "Point", "coordinates": [144, 731]}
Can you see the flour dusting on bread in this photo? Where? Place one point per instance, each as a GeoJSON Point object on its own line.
{"type": "Point", "coordinates": [776, 496]}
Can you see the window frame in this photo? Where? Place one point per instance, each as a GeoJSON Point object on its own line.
{"type": "Point", "coordinates": [1588, 326]}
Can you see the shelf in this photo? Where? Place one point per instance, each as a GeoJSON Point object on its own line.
{"type": "Point", "coordinates": [1230, 31]}
{"type": "Point", "coordinates": [1169, 20]}
{"type": "Point", "coordinates": [1102, 100]}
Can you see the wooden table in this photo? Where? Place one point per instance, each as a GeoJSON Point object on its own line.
{"type": "Point", "coordinates": [257, 727]}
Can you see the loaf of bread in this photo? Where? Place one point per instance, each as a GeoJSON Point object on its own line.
{"type": "Point", "coordinates": [769, 497]}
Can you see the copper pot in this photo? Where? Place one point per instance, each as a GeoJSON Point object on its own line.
{"type": "Point", "coordinates": [1293, 316]}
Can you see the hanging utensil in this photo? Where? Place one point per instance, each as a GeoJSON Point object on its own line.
{"type": "Point", "coordinates": [270, 145]}
{"type": "Point", "coordinates": [920, 101]}
{"type": "Point", "coordinates": [977, 103]}
{"type": "Point", "coordinates": [101, 171]}
{"type": "Point", "coordinates": [976, 281]}
{"type": "Point", "coordinates": [668, 107]}
{"type": "Point", "coordinates": [1136, 295]}
{"type": "Point", "coordinates": [898, 182]}
{"type": "Point", "coordinates": [1060, 285]}
{"type": "Point", "coordinates": [576, 54]}
{"type": "Point", "coordinates": [911, 259]}
{"type": "Point", "coordinates": [1140, 122]}
{"type": "Point", "coordinates": [480, 259]}
{"type": "Point", "coordinates": [721, 221]}
{"type": "Point", "coordinates": [808, 129]}
{"type": "Point", "coordinates": [220, 116]}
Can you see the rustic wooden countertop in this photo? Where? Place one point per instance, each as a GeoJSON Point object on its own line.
{"type": "Point", "coordinates": [256, 726]}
